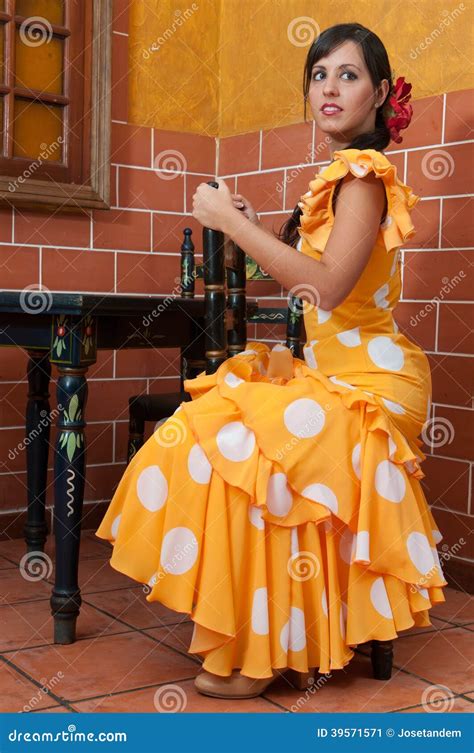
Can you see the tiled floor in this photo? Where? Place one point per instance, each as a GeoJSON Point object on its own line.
{"type": "Point", "coordinates": [131, 655]}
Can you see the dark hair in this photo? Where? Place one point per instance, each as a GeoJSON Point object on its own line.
{"type": "Point", "coordinates": [377, 62]}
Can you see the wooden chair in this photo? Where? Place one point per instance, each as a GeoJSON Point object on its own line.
{"type": "Point", "coordinates": [225, 270]}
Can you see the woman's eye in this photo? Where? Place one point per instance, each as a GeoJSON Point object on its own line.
{"type": "Point", "coordinates": [351, 75]}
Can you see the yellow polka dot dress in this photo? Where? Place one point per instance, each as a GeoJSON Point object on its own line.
{"type": "Point", "coordinates": [281, 508]}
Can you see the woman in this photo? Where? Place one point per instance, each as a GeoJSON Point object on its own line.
{"type": "Point", "coordinates": [281, 507]}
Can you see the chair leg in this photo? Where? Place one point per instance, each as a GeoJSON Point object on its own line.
{"type": "Point", "coordinates": [136, 431]}
{"type": "Point", "coordinates": [382, 659]}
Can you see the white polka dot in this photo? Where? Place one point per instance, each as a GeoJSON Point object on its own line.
{"type": "Point", "coordinates": [395, 262]}
{"type": "Point", "coordinates": [299, 244]}
{"type": "Point", "coordinates": [391, 446]}
{"type": "Point", "coordinates": [115, 526]}
{"type": "Point", "coordinates": [152, 488]}
{"type": "Point", "coordinates": [309, 357]}
{"type": "Point", "coordinates": [356, 461]}
{"type": "Point", "coordinates": [420, 552]}
{"type": "Point", "coordinates": [437, 536]}
{"type": "Point", "coordinates": [294, 541]}
{"type": "Point", "coordinates": [385, 353]}
{"type": "Point", "coordinates": [390, 481]}
{"type": "Point", "coordinates": [255, 517]}
{"type": "Point", "coordinates": [293, 633]}
{"type": "Point", "coordinates": [328, 525]}
{"type": "Point", "coordinates": [423, 592]}
{"type": "Point", "coordinates": [324, 602]}
{"type": "Point", "coordinates": [248, 352]}
{"type": "Point", "coordinates": [362, 546]}
{"type": "Point", "coordinates": [153, 580]}
{"type": "Point", "coordinates": [380, 297]}
{"type": "Point", "coordinates": [387, 222]}
{"type": "Point", "coordinates": [379, 598]}
{"type": "Point", "coordinates": [304, 418]}
{"type": "Point", "coordinates": [260, 623]}
{"type": "Point", "coordinates": [394, 407]}
{"type": "Point", "coordinates": [347, 546]}
{"type": "Point", "coordinates": [437, 561]}
{"type": "Point", "coordinates": [308, 193]}
{"type": "Point", "coordinates": [322, 494]}
{"type": "Point", "coordinates": [357, 169]}
{"type": "Point", "coordinates": [199, 466]}
{"type": "Point", "coordinates": [350, 337]}
{"type": "Point", "coordinates": [179, 550]}
{"type": "Point", "coordinates": [335, 380]}
{"type": "Point", "coordinates": [323, 315]}
{"type": "Point", "coordinates": [235, 441]}
{"type": "Point", "coordinates": [279, 497]}
{"type": "Point", "coordinates": [279, 347]}
{"type": "Point", "coordinates": [232, 380]}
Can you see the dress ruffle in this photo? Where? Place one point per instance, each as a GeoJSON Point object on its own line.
{"type": "Point", "coordinates": [317, 219]}
{"type": "Point", "coordinates": [284, 513]}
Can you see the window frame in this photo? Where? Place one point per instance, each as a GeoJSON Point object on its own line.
{"type": "Point", "coordinates": [38, 193]}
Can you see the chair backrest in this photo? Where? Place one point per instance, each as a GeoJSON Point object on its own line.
{"type": "Point", "coordinates": [225, 271]}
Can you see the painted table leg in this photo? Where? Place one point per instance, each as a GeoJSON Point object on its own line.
{"type": "Point", "coordinates": [38, 420]}
{"type": "Point", "coordinates": [69, 479]}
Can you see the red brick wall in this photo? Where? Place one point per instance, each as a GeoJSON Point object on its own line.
{"type": "Point", "coordinates": [134, 248]}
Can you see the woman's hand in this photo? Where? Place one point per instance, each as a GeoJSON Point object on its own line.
{"type": "Point", "coordinates": [212, 206]}
{"type": "Point", "coordinates": [245, 207]}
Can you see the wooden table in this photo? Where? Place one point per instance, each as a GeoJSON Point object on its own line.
{"type": "Point", "coordinates": [67, 329]}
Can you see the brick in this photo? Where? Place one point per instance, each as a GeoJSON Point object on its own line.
{"type": "Point", "coordinates": [149, 362]}
{"type": "Point", "coordinates": [6, 225]}
{"type": "Point", "coordinates": [287, 145]}
{"type": "Point", "coordinates": [53, 228]}
{"type": "Point", "coordinates": [131, 145]}
{"type": "Point", "coordinates": [82, 271]}
{"type": "Point", "coordinates": [168, 233]}
{"type": "Point", "coordinates": [150, 189]}
{"type": "Point", "coordinates": [19, 267]}
{"type": "Point", "coordinates": [425, 218]}
{"type": "Point", "coordinates": [446, 483]}
{"type": "Point", "coordinates": [239, 154]}
{"type": "Point", "coordinates": [458, 222]}
{"type": "Point", "coordinates": [452, 379]}
{"type": "Point", "coordinates": [122, 229]}
{"type": "Point", "coordinates": [455, 426]}
{"type": "Point", "coordinates": [188, 152]}
{"type": "Point", "coordinates": [262, 191]}
{"type": "Point", "coordinates": [441, 171]}
{"type": "Point", "coordinates": [120, 65]}
{"type": "Point", "coordinates": [442, 274]}
{"type": "Point", "coordinates": [108, 399]}
{"type": "Point", "coordinates": [458, 125]}
{"type": "Point", "coordinates": [417, 323]}
{"type": "Point", "coordinates": [455, 334]}
{"type": "Point", "coordinates": [121, 15]}
{"type": "Point", "coordinates": [142, 273]}
{"type": "Point", "coordinates": [425, 126]}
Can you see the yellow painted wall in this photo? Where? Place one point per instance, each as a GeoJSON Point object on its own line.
{"type": "Point", "coordinates": [222, 67]}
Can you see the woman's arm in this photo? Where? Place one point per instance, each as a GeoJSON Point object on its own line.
{"type": "Point", "coordinates": [328, 281]}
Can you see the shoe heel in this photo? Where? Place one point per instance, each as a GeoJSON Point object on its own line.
{"type": "Point", "coordinates": [300, 680]}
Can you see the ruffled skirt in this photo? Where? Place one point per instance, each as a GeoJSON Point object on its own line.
{"type": "Point", "coordinates": [284, 513]}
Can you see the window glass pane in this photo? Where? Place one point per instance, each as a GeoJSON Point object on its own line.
{"type": "Point", "coordinates": [36, 130]}
{"type": "Point", "coordinates": [51, 10]}
{"type": "Point", "coordinates": [39, 66]}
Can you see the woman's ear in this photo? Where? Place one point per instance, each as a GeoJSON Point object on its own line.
{"type": "Point", "coordinates": [382, 90]}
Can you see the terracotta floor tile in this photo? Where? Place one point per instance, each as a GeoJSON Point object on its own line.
{"type": "Point", "coordinates": [98, 575]}
{"type": "Point", "coordinates": [445, 704]}
{"type": "Point", "coordinates": [458, 607]}
{"type": "Point", "coordinates": [55, 710]}
{"type": "Point", "coordinates": [24, 625]}
{"type": "Point", "coordinates": [434, 628]}
{"type": "Point", "coordinates": [130, 605]}
{"type": "Point", "coordinates": [15, 588]}
{"type": "Point", "coordinates": [5, 564]}
{"type": "Point", "coordinates": [15, 549]}
{"type": "Point", "coordinates": [178, 636]}
{"type": "Point", "coordinates": [17, 691]}
{"type": "Point", "coordinates": [442, 658]}
{"type": "Point", "coordinates": [352, 689]}
{"type": "Point", "coordinates": [106, 665]}
{"type": "Point", "coordinates": [180, 696]}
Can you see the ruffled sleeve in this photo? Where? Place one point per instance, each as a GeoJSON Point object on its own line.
{"type": "Point", "coordinates": [318, 218]}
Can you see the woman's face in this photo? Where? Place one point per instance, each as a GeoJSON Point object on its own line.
{"type": "Point", "coordinates": [343, 80]}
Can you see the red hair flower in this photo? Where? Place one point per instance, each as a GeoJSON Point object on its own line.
{"type": "Point", "coordinates": [397, 111]}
